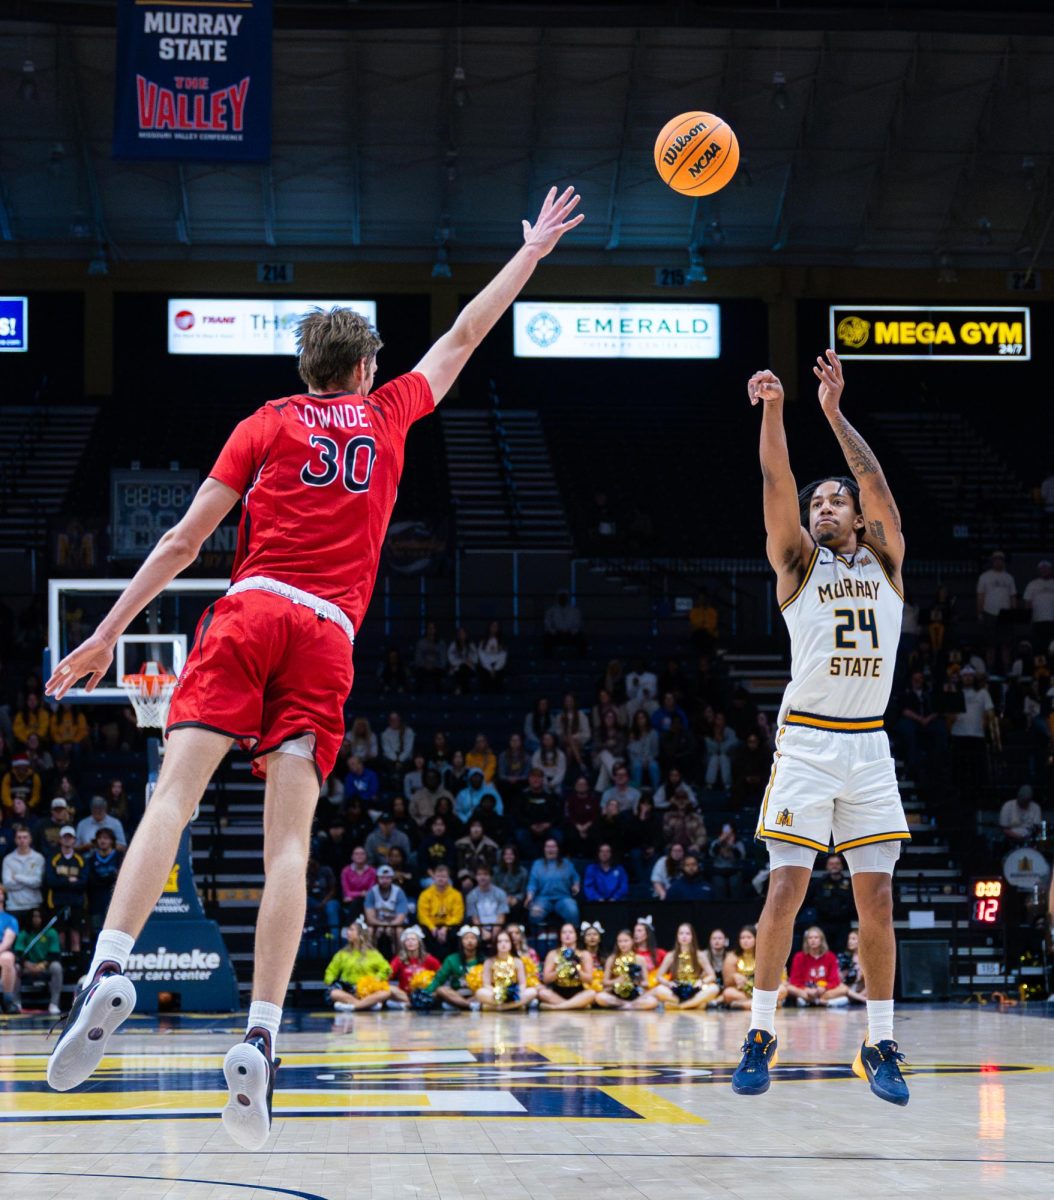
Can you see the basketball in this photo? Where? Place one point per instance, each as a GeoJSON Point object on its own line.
{"type": "Point", "coordinates": [696, 153]}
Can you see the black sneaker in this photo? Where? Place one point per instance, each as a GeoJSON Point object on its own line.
{"type": "Point", "coordinates": [98, 1011]}
{"type": "Point", "coordinates": [250, 1074]}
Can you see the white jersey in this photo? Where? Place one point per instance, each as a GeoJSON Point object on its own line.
{"type": "Point", "coordinates": [844, 623]}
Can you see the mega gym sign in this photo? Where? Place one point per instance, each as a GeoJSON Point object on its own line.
{"type": "Point", "coordinates": [868, 331]}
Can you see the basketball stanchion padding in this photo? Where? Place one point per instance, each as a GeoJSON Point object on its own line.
{"type": "Point", "coordinates": [150, 691]}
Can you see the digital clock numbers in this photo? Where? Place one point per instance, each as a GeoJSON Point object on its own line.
{"type": "Point", "coordinates": [986, 901]}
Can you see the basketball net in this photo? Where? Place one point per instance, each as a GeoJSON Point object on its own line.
{"type": "Point", "coordinates": [150, 692]}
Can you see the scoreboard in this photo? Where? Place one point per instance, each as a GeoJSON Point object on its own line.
{"type": "Point", "coordinates": [986, 901]}
{"type": "Point", "coordinates": [144, 505]}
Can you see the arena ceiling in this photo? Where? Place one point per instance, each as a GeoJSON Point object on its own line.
{"type": "Point", "coordinates": [872, 135]}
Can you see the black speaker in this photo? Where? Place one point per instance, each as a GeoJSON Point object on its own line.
{"type": "Point", "coordinates": [925, 970]}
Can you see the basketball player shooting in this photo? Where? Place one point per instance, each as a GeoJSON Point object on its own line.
{"type": "Point", "coordinates": [837, 550]}
{"type": "Point", "coordinates": [271, 663]}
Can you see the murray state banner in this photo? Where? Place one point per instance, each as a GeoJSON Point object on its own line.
{"type": "Point", "coordinates": [193, 80]}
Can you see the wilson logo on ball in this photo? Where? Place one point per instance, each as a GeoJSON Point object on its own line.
{"type": "Point", "coordinates": [690, 165]}
{"type": "Point", "coordinates": [679, 143]}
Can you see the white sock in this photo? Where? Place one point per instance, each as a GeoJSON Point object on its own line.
{"type": "Point", "coordinates": [763, 1010]}
{"type": "Point", "coordinates": [879, 1021]}
{"type": "Point", "coordinates": [111, 946]}
{"type": "Point", "coordinates": [263, 1015]}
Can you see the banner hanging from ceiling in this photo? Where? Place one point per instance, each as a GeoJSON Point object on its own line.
{"type": "Point", "coordinates": [193, 80]}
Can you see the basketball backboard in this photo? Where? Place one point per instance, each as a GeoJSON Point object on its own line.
{"type": "Point", "coordinates": [163, 632]}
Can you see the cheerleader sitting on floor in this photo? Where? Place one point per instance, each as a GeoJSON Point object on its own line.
{"type": "Point", "coordinates": [685, 978]}
{"type": "Point", "coordinates": [504, 978]}
{"type": "Point", "coordinates": [625, 977]}
{"type": "Point", "coordinates": [357, 976]}
{"type": "Point", "coordinates": [567, 975]}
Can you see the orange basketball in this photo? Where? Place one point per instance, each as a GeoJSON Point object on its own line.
{"type": "Point", "coordinates": [696, 153]}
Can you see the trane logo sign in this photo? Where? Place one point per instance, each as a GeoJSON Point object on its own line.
{"type": "Point", "coordinates": [681, 141]}
{"type": "Point", "coordinates": [169, 960]}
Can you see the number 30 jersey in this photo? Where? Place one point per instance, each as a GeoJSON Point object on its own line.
{"type": "Point", "coordinates": [844, 624]}
{"type": "Point", "coordinates": [318, 476]}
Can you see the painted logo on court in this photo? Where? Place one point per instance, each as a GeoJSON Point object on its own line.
{"type": "Point", "coordinates": [543, 329]}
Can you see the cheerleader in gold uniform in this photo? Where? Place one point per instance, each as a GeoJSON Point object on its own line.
{"type": "Point", "coordinates": [685, 978]}
{"type": "Point", "coordinates": [567, 974]}
{"type": "Point", "coordinates": [625, 978]}
{"type": "Point", "coordinates": [504, 979]}
{"type": "Point", "coordinates": [738, 972]}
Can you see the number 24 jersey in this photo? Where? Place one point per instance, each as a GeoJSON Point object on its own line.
{"type": "Point", "coordinates": [318, 476]}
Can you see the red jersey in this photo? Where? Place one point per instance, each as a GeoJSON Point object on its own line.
{"type": "Point", "coordinates": [809, 971]}
{"type": "Point", "coordinates": [318, 476]}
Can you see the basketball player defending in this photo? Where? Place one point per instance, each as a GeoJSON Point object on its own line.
{"type": "Point", "coordinates": [832, 774]}
{"type": "Point", "coordinates": [271, 663]}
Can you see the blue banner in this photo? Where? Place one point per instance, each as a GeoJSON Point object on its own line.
{"type": "Point", "coordinates": [14, 323]}
{"type": "Point", "coordinates": [193, 80]}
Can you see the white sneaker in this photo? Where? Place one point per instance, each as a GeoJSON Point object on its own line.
{"type": "Point", "coordinates": [54, 1010]}
{"type": "Point", "coordinates": [97, 1012]}
{"type": "Point", "coordinates": [250, 1078]}
{"type": "Point", "coordinates": [837, 1002]}
{"type": "Point", "coordinates": [343, 1006]}
{"type": "Point", "coordinates": [474, 1006]}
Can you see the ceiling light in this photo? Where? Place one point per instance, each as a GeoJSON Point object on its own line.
{"type": "Point", "coordinates": [780, 95]}
{"type": "Point", "coordinates": [441, 266]}
{"type": "Point", "coordinates": [696, 272]}
{"type": "Point", "coordinates": [27, 88]}
{"type": "Point", "coordinates": [460, 91]}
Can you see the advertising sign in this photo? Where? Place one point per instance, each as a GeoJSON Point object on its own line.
{"type": "Point", "coordinates": [959, 334]}
{"type": "Point", "coordinates": [14, 324]}
{"type": "Point", "coordinates": [560, 329]}
{"type": "Point", "coordinates": [211, 326]}
{"type": "Point", "coordinates": [193, 80]}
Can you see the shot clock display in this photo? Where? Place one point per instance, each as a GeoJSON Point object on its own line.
{"type": "Point", "coordinates": [986, 901]}
{"type": "Point", "coordinates": [144, 505]}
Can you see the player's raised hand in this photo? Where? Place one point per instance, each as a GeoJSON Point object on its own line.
{"type": "Point", "coordinates": [829, 372]}
{"type": "Point", "coordinates": [91, 659]}
{"type": "Point", "coordinates": [553, 221]}
{"type": "Point", "coordinates": [764, 386]}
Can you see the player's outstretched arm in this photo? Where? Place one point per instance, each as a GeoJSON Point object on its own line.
{"type": "Point", "coordinates": [174, 552]}
{"type": "Point", "coordinates": [787, 544]}
{"type": "Point", "coordinates": [443, 363]}
{"type": "Point", "coordinates": [881, 515]}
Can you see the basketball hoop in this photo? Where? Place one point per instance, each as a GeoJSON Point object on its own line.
{"type": "Point", "coordinates": [150, 692]}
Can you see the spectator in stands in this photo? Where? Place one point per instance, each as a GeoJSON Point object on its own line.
{"type": "Point", "coordinates": [387, 910]}
{"type": "Point", "coordinates": [609, 827]}
{"type": "Point", "coordinates": [572, 732]}
{"type": "Point", "coordinates": [423, 801]}
{"type": "Point", "coordinates": [662, 718]}
{"type": "Point", "coordinates": [486, 904]}
{"type": "Point", "coordinates": [481, 757]}
{"type": "Point", "coordinates": [356, 879]}
{"type": "Point", "coordinates": [540, 814]}
{"type": "Point", "coordinates": [440, 908]}
{"type": "Point", "coordinates": [678, 748]}
{"type": "Point", "coordinates": [537, 722]}
{"type": "Point", "coordinates": [22, 781]}
{"type": "Point", "coordinates": [814, 975]}
{"type": "Point", "coordinates": [362, 782]}
{"type": "Point", "coordinates": [402, 870]}
{"type": "Point", "coordinates": [690, 884]}
{"type": "Point", "coordinates": [333, 845]}
{"type": "Point", "coordinates": [552, 886]}
{"type": "Point", "coordinates": [742, 713]}
{"type": "Point", "coordinates": [323, 907]}
{"type": "Point", "coordinates": [513, 765]}
{"type": "Point", "coordinates": [46, 834]}
{"type": "Point", "coordinates": [455, 776]}
{"type": "Point", "coordinates": [702, 620]}
{"type": "Point", "coordinates": [563, 626]}
{"type": "Point", "coordinates": [104, 864]}
{"type": "Point", "coordinates": [441, 751]}
{"type": "Point", "coordinates": [640, 680]}
{"type": "Point", "coordinates": [1039, 600]}
{"type": "Point", "coordinates": [397, 748]}
{"type": "Point", "coordinates": [469, 798]}
{"type": "Point", "coordinates": [357, 976]}
{"type": "Point", "coordinates": [673, 780]}
{"type": "Point", "coordinates": [414, 778]}
{"type": "Point", "coordinates": [493, 657]}
{"type": "Point", "coordinates": [920, 729]}
{"type": "Point", "coordinates": [621, 790]}
{"type": "Point", "coordinates": [31, 718]}
{"type": "Point", "coordinates": [462, 659]}
{"type": "Point", "coordinates": [605, 879]}
{"type": "Point", "coordinates": [642, 751]}
{"type": "Point", "coordinates": [39, 956]}
{"type": "Point", "coordinates": [721, 746]}
{"type": "Point", "coordinates": [968, 733]}
{"type": "Point", "coordinates": [667, 867]}
{"type": "Point", "coordinates": [996, 598]}
{"type": "Point", "coordinates": [727, 859]}
{"type": "Point", "coordinates": [604, 704]}
{"type": "Point", "coordinates": [69, 728]}
{"type": "Point", "coordinates": [551, 761]}
{"type": "Point", "coordinates": [66, 880]}
{"type": "Point", "coordinates": [751, 767]}
{"type": "Point", "coordinates": [429, 660]}
{"type": "Point", "coordinates": [940, 618]}
{"type": "Point", "coordinates": [474, 850]}
{"type": "Point", "coordinates": [449, 985]}
{"type": "Point", "coordinates": [437, 849]}
{"type": "Point", "coordinates": [682, 823]}
{"type": "Point", "coordinates": [643, 840]}
{"type": "Point", "coordinates": [1020, 817]}
{"type": "Point", "coordinates": [116, 797]}
{"type": "Point", "coordinates": [383, 838]}
{"type": "Point", "coordinates": [68, 790]}
{"type": "Point", "coordinates": [831, 896]}
{"type": "Point", "coordinates": [12, 820]}
{"type": "Point", "coordinates": [609, 749]}
{"type": "Point", "coordinates": [583, 805]}
{"type": "Point", "coordinates": [511, 877]}
{"type": "Point", "coordinates": [40, 763]}
{"type": "Point", "coordinates": [672, 679]}
{"type": "Point", "coordinates": [392, 673]}
{"type": "Point", "coordinates": [363, 741]}
{"type": "Point", "coordinates": [23, 875]}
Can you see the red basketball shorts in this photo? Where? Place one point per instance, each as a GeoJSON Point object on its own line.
{"type": "Point", "coordinates": [266, 671]}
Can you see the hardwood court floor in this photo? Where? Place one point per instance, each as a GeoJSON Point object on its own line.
{"type": "Point", "coordinates": [540, 1107]}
